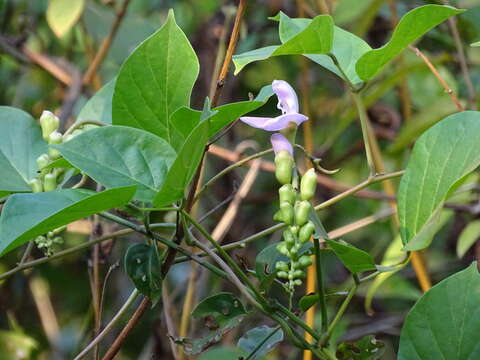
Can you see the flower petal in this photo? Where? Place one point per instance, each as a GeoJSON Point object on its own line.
{"type": "Point", "coordinates": [280, 142]}
{"type": "Point", "coordinates": [282, 121]}
{"type": "Point", "coordinates": [287, 98]}
{"type": "Point", "coordinates": [256, 122]}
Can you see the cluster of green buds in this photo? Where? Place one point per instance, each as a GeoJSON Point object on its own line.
{"type": "Point", "coordinates": [294, 211]}
{"type": "Point", "coordinates": [48, 242]}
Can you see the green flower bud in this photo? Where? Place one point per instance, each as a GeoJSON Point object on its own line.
{"type": "Point", "coordinates": [282, 249]}
{"type": "Point", "coordinates": [290, 276]}
{"type": "Point", "coordinates": [298, 274]}
{"type": "Point", "coordinates": [55, 138]}
{"type": "Point", "coordinates": [305, 261]}
{"type": "Point", "coordinates": [278, 216]}
{"type": "Point", "coordinates": [289, 238]}
{"type": "Point", "coordinates": [294, 250]}
{"type": "Point", "coordinates": [301, 212]}
{"type": "Point", "coordinates": [36, 185]}
{"type": "Point", "coordinates": [42, 161]}
{"type": "Point", "coordinates": [286, 193]}
{"type": "Point", "coordinates": [57, 240]}
{"type": "Point", "coordinates": [282, 274]}
{"type": "Point", "coordinates": [308, 184]}
{"type": "Point", "coordinates": [306, 232]}
{"type": "Point", "coordinates": [294, 229]}
{"type": "Point", "coordinates": [297, 282]}
{"type": "Point", "coordinates": [283, 167]}
{"type": "Point", "coordinates": [50, 182]}
{"type": "Point", "coordinates": [49, 123]}
{"type": "Point", "coordinates": [287, 213]}
{"type": "Point", "coordinates": [281, 266]}
{"type": "Point", "coordinates": [54, 154]}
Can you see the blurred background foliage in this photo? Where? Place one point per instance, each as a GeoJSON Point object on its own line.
{"type": "Point", "coordinates": [46, 313]}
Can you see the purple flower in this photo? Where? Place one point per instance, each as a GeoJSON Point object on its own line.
{"type": "Point", "coordinates": [288, 104]}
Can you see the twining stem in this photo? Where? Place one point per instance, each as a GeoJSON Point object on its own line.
{"type": "Point", "coordinates": [110, 325]}
{"type": "Point", "coordinates": [320, 286]}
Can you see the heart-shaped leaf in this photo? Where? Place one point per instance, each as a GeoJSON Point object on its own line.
{"type": "Point", "coordinates": [117, 156]}
{"type": "Point", "coordinates": [445, 322]}
{"type": "Point", "coordinates": [441, 158]}
{"type": "Point", "coordinates": [143, 266]}
{"type": "Point", "coordinates": [155, 81]}
{"type": "Point", "coordinates": [410, 27]}
{"type": "Point", "coordinates": [25, 216]}
{"type": "Point", "coordinates": [21, 143]}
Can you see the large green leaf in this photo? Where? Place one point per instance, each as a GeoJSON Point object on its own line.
{"type": "Point", "coordinates": [445, 322]}
{"type": "Point", "coordinates": [220, 313]}
{"type": "Point", "coordinates": [441, 158]}
{"type": "Point", "coordinates": [99, 106]}
{"type": "Point", "coordinates": [143, 266]}
{"type": "Point", "coordinates": [21, 143]}
{"type": "Point", "coordinates": [117, 156]}
{"type": "Point", "coordinates": [354, 259]}
{"type": "Point", "coordinates": [316, 38]}
{"type": "Point", "coordinates": [347, 48]}
{"type": "Point", "coordinates": [62, 15]}
{"type": "Point", "coordinates": [156, 80]}
{"type": "Point", "coordinates": [183, 169]}
{"type": "Point", "coordinates": [412, 26]}
{"type": "Point", "coordinates": [26, 216]}
{"type": "Point", "coordinates": [261, 339]}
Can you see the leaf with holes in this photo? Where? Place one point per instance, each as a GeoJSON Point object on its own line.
{"type": "Point", "coordinates": [441, 158]}
{"type": "Point", "coordinates": [260, 341]}
{"type": "Point", "coordinates": [25, 216]}
{"type": "Point", "coordinates": [354, 259]}
{"type": "Point", "coordinates": [445, 322]}
{"type": "Point", "coordinates": [21, 143]}
{"type": "Point", "coordinates": [155, 81]}
{"type": "Point", "coordinates": [117, 156]}
{"type": "Point", "coordinates": [412, 25]}
{"type": "Point", "coordinates": [143, 266]}
{"type": "Point", "coordinates": [367, 348]}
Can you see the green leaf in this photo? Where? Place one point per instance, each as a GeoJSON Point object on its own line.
{"type": "Point", "coordinates": [220, 313]}
{"type": "Point", "coordinates": [367, 348]}
{"type": "Point", "coordinates": [307, 301]}
{"type": "Point", "coordinates": [221, 352]}
{"type": "Point", "coordinates": [346, 47]}
{"type": "Point", "coordinates": [468, 237]}
{"type": "Point", "coordinates": [412, 26]}
{"type": "Point", "coordinates": [354, 259]}
{"type": "Point", "coordinates": [155, 81]}
{"type": "Point", "coordinates": [263, 337]}
{"type": "Point", "coordinates": [316, 38]}
{"type": "Point", "coordinates": [143, 266]}
{"type": "Point", "coordinates": [62, 15]}
{"type": "Point", "coordinates": [441, 158]}
{"type": "Point", "coordinates": [117, 156]}
{"type": "Point", "coordinates": [184, 167]}
{"type": "Point", "coordinates": [21, 143]}
{"type": "Point", "coordinates": [320, 232]}
{"type": "Point", "coordinates": [99, 106]}
{"type": "Point", "coordinates": [25, 216]}
{"type": "Point", "coordinates": [445, 322]}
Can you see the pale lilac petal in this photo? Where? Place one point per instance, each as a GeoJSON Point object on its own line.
{"type": "Point", "coordinates": [282, 121]}
{"type": "Point", "coordinates": [257, 122]}
{"type": "Point", "coordinates": [280, 142]}
{"type": "Point", "coordinates": [287, 98]}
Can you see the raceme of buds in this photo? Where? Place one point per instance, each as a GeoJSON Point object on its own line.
{"type": "Point", "coordinates": [283, 167]}
{"type": "Point", "coordinates": [308, 185]}
{"type": "Point", "coordinates": [49, 123]}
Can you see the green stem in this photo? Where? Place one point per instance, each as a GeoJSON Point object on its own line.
{"type": "Point", "coordinates": [82, 123]}
{"type": "Point", "coordinates": [297, 320]}
{"type": "Point", "coordinates": [261, 343]}
{"type": "Point", "coordinates": [365, 124]}
{"type": "Point", "coordinates": [229, 169]}
{"type": "Point", "coordinates": [320, 288]}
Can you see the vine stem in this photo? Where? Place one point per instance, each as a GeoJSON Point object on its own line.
{"type": "Point", "coordinates": [320, 286]}
{"type": "Point", "coordinates": [110, 325]}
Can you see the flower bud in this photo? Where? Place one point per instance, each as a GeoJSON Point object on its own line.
{"type": "Point", "coordinates": [42, 161]}
{"type": "Point", "coordinates": [286, 193]}
{"type": "Point", "coordinates": [298, 274]}
{"type": "Point", "coordinates": [283, 167]}
{"type": "Point", "coordinates": [282, 249]}
{"type": "Point", "coordinates": [58, 240]}
{"type": "Point", "coordinates": [306, 232]}
{"type": "Point", "coordinates": [281, 266]}
{"type": "Point", "coordinates": [297, 282]}
{"type": "Point", "coordinates": [305, 261]}
{"type": "Point", "coordinates": [282, 274]}
{"type": "Point", "coordinates": [49, 123]}
{"type": "Point", "coordinates": [54, 154]}
{"type": "Point", "coordinates": [50, 182]}
{"type": "Point", "coordinates": [278, 216]}
{"type": "Point", "coordinates": [301, 212]}
{"type": "Point", "coordinates": [294, 229]}
{"type": "Point", "coordinates": [287, 213]}
{"type": "Point", "coordinates": [308, 184]}
{"type": "Point", "coordinates": [55, 138]}
{"type": "Point", "coordinates": [289, 238]}
{"type": "Point", "coordinates": [36, 185]}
